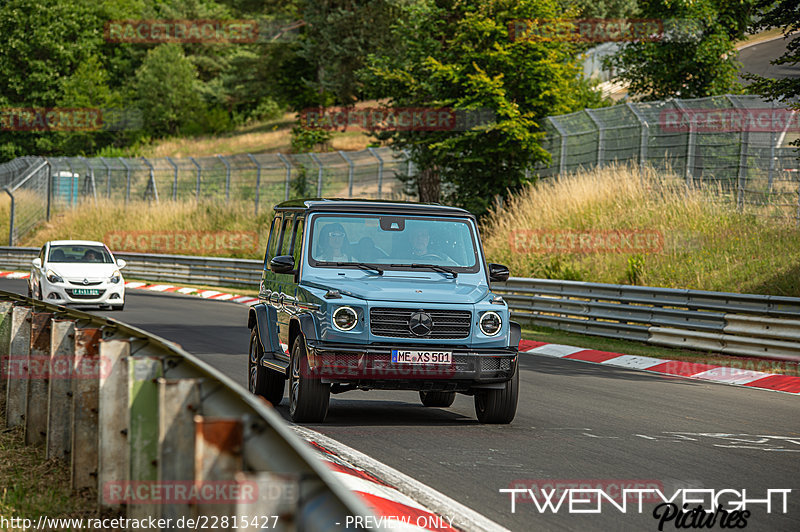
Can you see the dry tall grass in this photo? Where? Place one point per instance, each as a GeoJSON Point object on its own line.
{"type": "Point", "coordinates": [93, 221]}
{"type": "Point", "coordinates": [707, 243]}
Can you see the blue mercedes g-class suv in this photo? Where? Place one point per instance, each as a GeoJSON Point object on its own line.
{"type": "Point", "coordinates": [361, 295]}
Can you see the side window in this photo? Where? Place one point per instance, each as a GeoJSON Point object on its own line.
{"type": "Point", "coordinates": [273, 240]}
{"type": "Point", "coordinates": [285, 241]}
{"type": "Point", "coordinates": [297, 241]}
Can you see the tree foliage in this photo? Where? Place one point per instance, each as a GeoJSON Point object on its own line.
{"type": "Point", "coordinates": [459, 55]}
{"type": "Point", "coordinates": [696, 56]}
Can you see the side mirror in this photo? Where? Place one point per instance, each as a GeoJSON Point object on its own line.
{"type": "Point", "coordinates": [121, 263]}
{"type": "Point", "coordinates": [282, 264]}
{"type": "Point", "coordinates": [37, 262]}
{"type": "Point", "coordinates": [498, 273]}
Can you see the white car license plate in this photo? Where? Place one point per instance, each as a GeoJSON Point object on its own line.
{"type": "Point", "coordinates": [402, 356]}
{"type": "Point", "coordinates": [85, 292]}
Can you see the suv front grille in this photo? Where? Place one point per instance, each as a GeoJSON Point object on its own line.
{"type": "Point", "coordinates": [394, 323]}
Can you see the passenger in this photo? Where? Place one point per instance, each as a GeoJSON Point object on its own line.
{"type": "Point", "coordinates": [332, 244]}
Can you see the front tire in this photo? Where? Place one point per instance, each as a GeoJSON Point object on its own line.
{"type": "Point", "coordinates": [308, 396]}
{"type": "Point", "coordinates": [498, 406]}
{"type": "Point", "coordinates": [261, 381]}
{"type": "Point", "coordinates": [438, 399]}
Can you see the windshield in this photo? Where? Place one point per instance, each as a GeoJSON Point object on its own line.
{"type": "Point", "coordinates": [393, 242]}
{"type": "Point", "coordinates": [79, 253]}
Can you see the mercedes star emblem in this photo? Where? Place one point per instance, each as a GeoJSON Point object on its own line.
{"type": "Point", "coordinates": [420, 323]}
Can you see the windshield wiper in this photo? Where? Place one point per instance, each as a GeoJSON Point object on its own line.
{"type": "Point", "coordinates": [434, 267]}
{"type": "Point", "coordinates": [362, 265]}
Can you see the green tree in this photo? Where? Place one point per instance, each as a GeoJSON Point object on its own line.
{"type": "Point", "coordinates": [167, 89]}
{"type": "Point", "coordinates": [457, 54]}
{"type": "Point", "coordinates": [696, 56]}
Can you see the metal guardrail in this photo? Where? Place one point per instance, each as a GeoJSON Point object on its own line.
{"type": "Point", "coordinates": [129, 409]}
{"type": "Point", "coordinates": [693, 319]}
{"type": "Point", "coordinates": [239, 273]}
{"type": "Point", "coordinates": [742, 324]}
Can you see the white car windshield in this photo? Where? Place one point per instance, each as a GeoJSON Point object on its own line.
{"type": "Point", "coordinates": [394, 242]}
{"type": "Point", "coordinates": [79, 253]}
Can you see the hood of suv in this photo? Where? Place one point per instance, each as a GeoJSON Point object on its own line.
{"type": "Point", "coordinates": [411, 289]}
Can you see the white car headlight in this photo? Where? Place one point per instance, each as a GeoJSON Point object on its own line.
{"type": "Point", "coordinates": [115, 277]}
{"type": "Point", "coordinates": [345, 318]}
{"type": "Point", "coordinates": [53, 277]}
{"type": "Point", "coordinates": [490, 323]}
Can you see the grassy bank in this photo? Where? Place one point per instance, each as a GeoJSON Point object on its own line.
{"type": "Point", "coordinates": [704, 242]}
{"type": "Point", "coordinates": [31, 486]}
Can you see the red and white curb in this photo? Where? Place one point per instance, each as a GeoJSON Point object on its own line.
{"type": "Point", "coordinates": [398, 501]}
{"type": "Point", "coordinates": [692, 370]}
{"type": "Point", "coordinates": [205, 294]}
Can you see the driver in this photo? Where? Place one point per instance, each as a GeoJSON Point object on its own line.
{"type": "Point", "coordinates": [91, 256]}
{"type": "Point", "coordinates": [420, 238]}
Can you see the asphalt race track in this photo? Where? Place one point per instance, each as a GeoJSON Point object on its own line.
{"type": "Point", "coordinates": [605, 426]}
{"type": "Point", "coordinates": [756, 60]}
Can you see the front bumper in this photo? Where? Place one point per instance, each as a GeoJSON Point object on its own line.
{"type": "Point", "coordinates": [64, 294]}
{"type": "Point", "coordinates": [371, 366]}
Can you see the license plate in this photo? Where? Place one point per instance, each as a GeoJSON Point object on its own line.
{"type": "Point", "coordinates": [85, 292]}
{"type": "Point", "coordinates": [401, 356]}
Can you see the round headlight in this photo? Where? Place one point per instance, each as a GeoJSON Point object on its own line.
{"type": "Point", "coordinates": [345, 318]}
{"type": "Point", "coordinates": [490, 323]}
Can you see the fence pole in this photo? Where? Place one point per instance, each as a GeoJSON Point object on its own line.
{"type": "Point", "coordinates": [89, 186]}
{"type": "Point", "coordinates": [197, 192]}
{"type": "Point", "coordinates": [227, 177]}
{"type": "Point", "coordinates": [380, 170]}
{"type": "Point", "coordinates": [174, 179]}
{"type": "Point", "coordinates": [562, 158]}
{"type": "Point", "coordinates": [151, 184]}
{"type": "Point", "coordinates": [600, 136]}
{"type": "Point", "coordinates": [49, 187]}
{"type": "Point", "coordinates": [127, 179]}
{"type": "Point", "coordinates": [73, 191]}
{"type": "Point", "coordinates": [691, 143]}
{"type": "Point", "coordinates": [319, 173]}
{"type": "Point", "coordinates": [645, 133]}
{"type": "Point", "coordinates": [288, 174]}
{"type": "Point", "coordinates": [258, 177]}
{"type": "Point", "coordinates": [108, 177]}
{"type": "Point", "coordinates": [351, 167]}
{"type": "Point", "coordinates": [10, 218]}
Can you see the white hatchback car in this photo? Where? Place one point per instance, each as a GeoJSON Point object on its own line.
{"type": "Point", "coordinates": [77, 272]}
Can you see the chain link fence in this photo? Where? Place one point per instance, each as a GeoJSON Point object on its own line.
{"type": "Point", "coordinates": [738, 144]}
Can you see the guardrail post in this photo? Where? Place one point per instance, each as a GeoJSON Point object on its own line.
{"type": "Point", "coordinates": [277, 496]}
{"type": "Point", "coordinates": [59, 400]}
{"type": "Point", "coordinates": [143, 431]}
{"type": "Point", "coordinates": [5, 338]}
{"type": "Point", "coordinates": [351, 168]}
{"type": "Point", "coordinates": [258, 178]}
{"type": "Point", "coordinates": [179, 401]}
{"type": "Point", "coordinates": [38, 370]}
{"type": "Point", "coordinates": [288, 166]}
{"type": "Point", "coordinates": [19, 347]}
{"type": "Point", "coordinates": [227, 177]}
{"type": "Point", "coordinates": [112, 435]}
{"type": "Point", "coordinates": [218, 457]}
{"type": "Point", "coordinates": [85, 385]}
{"type": "Point", "coordinates": [380, 170]}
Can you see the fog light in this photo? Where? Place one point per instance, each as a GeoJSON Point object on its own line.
{"type": "Point", "coordinates": [113, 296]}
{"type": "Point", "coordinates": [53, 295]}
{"type": "Point", "coordinates": [345, 318]}
{"type": "Point", "coordinates": [490, 323]}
